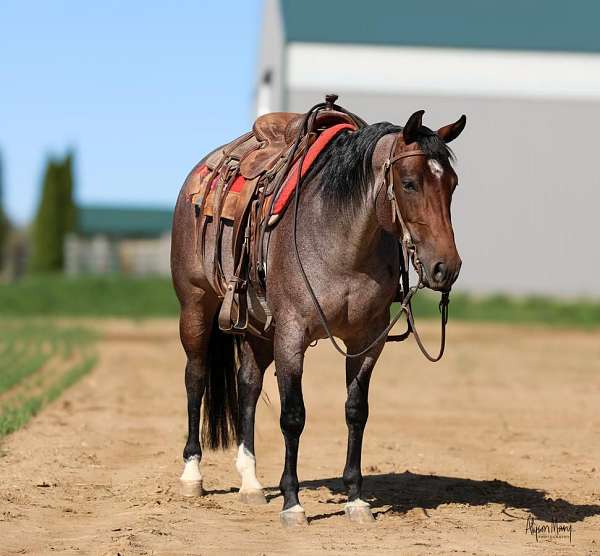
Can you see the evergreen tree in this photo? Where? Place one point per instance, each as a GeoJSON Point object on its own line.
{"type": "Point", "coordinates": [4, 223]}
{"type": "Point", "coordinates": [67, 194]}
{"type": "Point", "coordinates": [55, 216]}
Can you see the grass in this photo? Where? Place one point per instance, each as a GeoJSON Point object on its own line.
{"type": "Point", "coordinates": [89, 296]}
{"type": "Point", "coordinates": [17, 413]}
{"type": "Point", "coordinates": [119, 296]}
{"type": "Point", "coordinates": [538, 310]}
{"type": "Point", "coordinates": [38, 361]}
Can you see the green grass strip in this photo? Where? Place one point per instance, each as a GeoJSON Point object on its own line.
{"type": "Point", "coordinates": [149, 297]}
{"type": "Point", "coordinates": [97, 296]}
{"type": "Point", "coordinates": [37, 345]}
{"type": "Point", "coordinates": [538, 310]}
{"type": "Point", "coordinates": [11, 376]}
{"type": "Point", "coordinates": [13, 417]}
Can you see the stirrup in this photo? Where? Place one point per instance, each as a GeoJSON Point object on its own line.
{"type": "Point", "coordinates": [233, 316]}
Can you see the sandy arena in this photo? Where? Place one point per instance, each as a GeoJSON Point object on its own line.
{"type": "Point", "coordinates": [457, 455]}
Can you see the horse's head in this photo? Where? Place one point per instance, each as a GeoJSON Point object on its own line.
{"type": "Point", "coordinates": [423, 187]}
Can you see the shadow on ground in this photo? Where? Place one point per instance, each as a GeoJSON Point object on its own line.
{"type": "Point", "coordinates": [401, 492]}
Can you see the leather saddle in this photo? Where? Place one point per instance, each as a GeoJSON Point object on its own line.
{"type": "Point", "coordinates": [262, 151]}
{"type": "Point", "coordinates": [271, 137]}
{"type": "Point", "coordinates": [233, 190]}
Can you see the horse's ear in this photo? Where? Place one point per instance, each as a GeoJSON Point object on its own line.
{"type": "Point", "coordinates": [452, 131]}
{"type": "Point", "coordinates": [411, 129]}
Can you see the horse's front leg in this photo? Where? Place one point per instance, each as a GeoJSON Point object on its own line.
{"type": "Point", "coordinates": [256, 356]}
{"type": "Point", "coordinates": [358, 376]}
{"type": "Point", "coordinates": [289, 359]}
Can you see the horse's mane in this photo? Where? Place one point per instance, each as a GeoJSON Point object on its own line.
{"type": "Point", "coordinates": [346, 164]}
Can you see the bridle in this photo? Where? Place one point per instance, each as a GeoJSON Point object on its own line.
{"type": "Point", "coordinates": [408, 252]}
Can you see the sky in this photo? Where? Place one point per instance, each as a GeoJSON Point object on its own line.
{"type": "Point", "coordinates": [140, 90]}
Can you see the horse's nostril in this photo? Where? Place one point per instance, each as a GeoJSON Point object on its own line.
{"type": "Point", "coordinates": [440, 270]}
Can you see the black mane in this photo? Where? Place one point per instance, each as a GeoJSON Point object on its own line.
{"type": "Point", "coordinates": [346, 163]}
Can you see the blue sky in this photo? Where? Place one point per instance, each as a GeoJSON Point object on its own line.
{"type": "Point", "coordinates": [140, 90]}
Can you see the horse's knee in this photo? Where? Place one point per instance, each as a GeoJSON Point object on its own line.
{"type": "Point", "coordinates": [357, 412]}
{"type": "Point", "coordinates": [293, 417]}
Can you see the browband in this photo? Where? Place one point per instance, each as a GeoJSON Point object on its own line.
{"type": "Point", "coordinates": [406, 154]}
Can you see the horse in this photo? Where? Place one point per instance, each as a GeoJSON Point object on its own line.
{"type": "Point", "coordinates": [366, 192]}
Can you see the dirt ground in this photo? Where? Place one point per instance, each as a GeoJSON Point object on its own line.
{"type": "Point", "coordinates": [457, 455]}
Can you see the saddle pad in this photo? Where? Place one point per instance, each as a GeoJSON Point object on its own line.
{"type": "Point", "coordinates": [289, 186]}
{"type": "Point", "coordinates": [202, 172]}
{"type": "Point", "coordinates": [287, 190]}
{"type": "Point", "coordinates": [230, 201]}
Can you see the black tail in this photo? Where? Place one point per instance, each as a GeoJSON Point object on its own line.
{"type": "Point", "coordinates": [219, 422]}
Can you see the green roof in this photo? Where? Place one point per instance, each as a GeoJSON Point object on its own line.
{"type": "Point", "coordinates": [571, 26]}
{"type": "Point", "coordinates": [123, 221]}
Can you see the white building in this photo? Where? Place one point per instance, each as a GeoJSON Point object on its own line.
{"type": "Point", "coordinates": [526, 74]}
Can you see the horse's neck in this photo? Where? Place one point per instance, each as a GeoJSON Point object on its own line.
{"type": "Point", "coordinates": [358, 234]}
{"type": "Point", "coordinates": [362, 237]}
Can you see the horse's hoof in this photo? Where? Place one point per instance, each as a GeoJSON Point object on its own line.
{"type": "Point", "coordinates": [191, 478]}
{"type": "Point", "coordinates": [294, 517]}
{"type": "Point", "coordinates": [359, 511]}
{"type": "Point", "coordinates": [253, 497]}
{"type": "Point", "coordinates": [191, 488]}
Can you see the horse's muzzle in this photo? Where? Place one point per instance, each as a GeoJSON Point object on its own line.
{"type": "Point", "coordinates": [441, 275]}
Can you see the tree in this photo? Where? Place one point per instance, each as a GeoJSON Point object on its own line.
{"type": "Point", "coordinates": [69, 197]}
{"type": "Point", "coordinates": [55, 216]}
{"type": "Point", "coordinates": [4, 222]}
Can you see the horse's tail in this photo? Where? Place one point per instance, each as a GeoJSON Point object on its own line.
{"type": "Point", "coordinates": [219, 424]}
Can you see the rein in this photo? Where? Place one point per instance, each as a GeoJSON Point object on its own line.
{"type": "Point", "coordinates": [408, 248]}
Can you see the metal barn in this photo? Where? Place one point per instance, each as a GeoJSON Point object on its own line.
{"type": "Point", "coordinates": [526, 74]}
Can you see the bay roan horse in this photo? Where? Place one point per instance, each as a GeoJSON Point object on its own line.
{"type": "Point", "coordinates": [348, 241]}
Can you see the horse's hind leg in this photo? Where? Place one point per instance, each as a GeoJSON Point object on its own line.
{"type": "Point", "coordinates": [358, 377]}
{"type": "Point", "coordinates": [256, 356]}
{"type": "Point", "coordinates": [195, 328]}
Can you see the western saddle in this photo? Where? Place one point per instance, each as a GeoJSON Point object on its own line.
{"type": "Point", "coordinates": [238, 185]}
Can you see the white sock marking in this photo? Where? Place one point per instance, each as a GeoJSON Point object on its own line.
{"type": "Point", "coordinates": [191, 471]}
{"type": "Point", "coordinates": [245, 463]}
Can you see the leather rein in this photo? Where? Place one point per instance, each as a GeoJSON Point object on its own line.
{"type": "Point", "coordinates": [408, 253]}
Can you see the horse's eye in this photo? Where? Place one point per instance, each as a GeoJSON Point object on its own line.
{"type": "Point", "coordinates": [409, 185]}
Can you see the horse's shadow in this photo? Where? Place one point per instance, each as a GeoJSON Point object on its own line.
{"type": "Point", "coordinates": [401, 492]}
